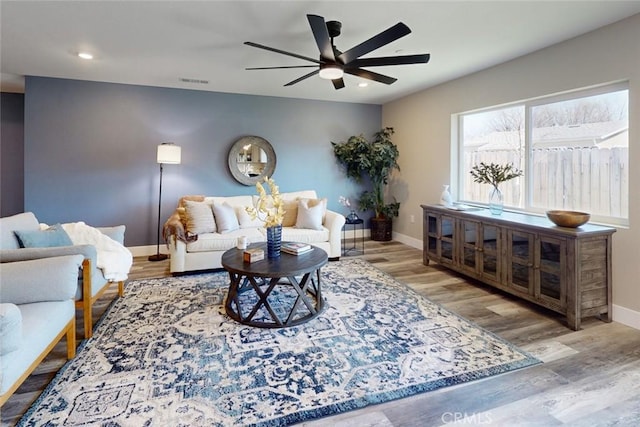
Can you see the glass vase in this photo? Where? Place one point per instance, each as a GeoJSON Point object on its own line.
{"type": "Point", "coordinates": [353, 216]}
{"type": "Point", "coordinates": [274, 241]}
{"type": "Point", "coordinates": [496, 201]}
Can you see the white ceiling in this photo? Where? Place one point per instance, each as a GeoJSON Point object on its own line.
{"type": "Point", "coordinates": [155, 43]}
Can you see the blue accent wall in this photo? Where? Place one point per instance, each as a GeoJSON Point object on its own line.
{"type": "Point", "coordinates": [90, 148]}
{"type": "Point", "coordinates": [11, 153]}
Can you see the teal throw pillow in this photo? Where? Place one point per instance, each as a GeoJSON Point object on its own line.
{"type": "Point", "coordinates": [52, 236]}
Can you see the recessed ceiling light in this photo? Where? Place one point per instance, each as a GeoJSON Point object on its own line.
{"type": "Point", "coordinates": [85, 55]}
{"type": "Point", "coordinates": [363, 84]}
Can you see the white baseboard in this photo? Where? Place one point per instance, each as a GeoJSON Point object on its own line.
{"type": "Point", "coordinates": [626, 316]}
{"type": "Point", "coordinates": [147, 250]}
{"type": "Point", "coordinates": [407, 240]}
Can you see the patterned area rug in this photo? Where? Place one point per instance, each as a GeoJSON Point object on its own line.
{"type": "Point", "coordinates": [166, 354]}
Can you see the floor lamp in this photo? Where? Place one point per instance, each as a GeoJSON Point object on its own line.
{"type": "Point", "coordinates": [169, 153]}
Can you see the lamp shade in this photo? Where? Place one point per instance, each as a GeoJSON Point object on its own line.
{"type": "Point", "coordinates": [168, 152]}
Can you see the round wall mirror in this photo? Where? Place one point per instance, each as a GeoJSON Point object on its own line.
{"type": "Point", "coordinates": [251, 159]}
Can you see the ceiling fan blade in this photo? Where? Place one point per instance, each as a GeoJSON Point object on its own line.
{"type": "Point", "coordinates": [306, 76]}
{"type": "Point", "coordinates": [338, 83]}
{"type": "Point", "coordinates": [321, 34]}
{"type": "Point", "coordinates": [375, 42]}
{"type": "Point", "coordinates": [273, 49]}
{"type": "Point", "coordinates": [278, 68]}
{"type": "Point", "coordinates": [366, 74]}
{"type": "Point", "coordinates": [390, 60]}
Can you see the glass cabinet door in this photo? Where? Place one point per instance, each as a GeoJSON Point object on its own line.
{"type": "Point", "coordinates": [440, 232]}
{"type": "Point", "coordinates": [470, 245]}
{"type": "Point", "coordinates": [490, 253]}
{"type": "Point", "coordinates": [447, 234]}
{"type": "Point", "coordinates": [520, 248]}
{"type": "Point", "coordinates": [551, 258]}
{"type": "Point", "coordinates": [432, 235]}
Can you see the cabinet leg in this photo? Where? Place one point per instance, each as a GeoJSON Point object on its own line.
{"type": "Point", "coordinates": [606, 317]}
{"type": "Point", "coordinates": [573, 322]}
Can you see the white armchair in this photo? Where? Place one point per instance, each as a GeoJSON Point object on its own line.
{"type": "Point", "coordinates": [36, 312]}
{"type": "Point", "coordinates": [92, 282]}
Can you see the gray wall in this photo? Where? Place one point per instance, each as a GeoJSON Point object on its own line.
{"type": "Point", "coordinates": [11, 153]}
{"type": "Point", "coordinates": [90, 148]}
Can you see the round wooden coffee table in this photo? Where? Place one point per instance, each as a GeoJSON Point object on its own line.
{"type": "Point", "coordinates": [274, 293]}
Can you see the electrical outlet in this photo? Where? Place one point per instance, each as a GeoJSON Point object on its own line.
{"type": "Point", "coordinates": [412, 219]}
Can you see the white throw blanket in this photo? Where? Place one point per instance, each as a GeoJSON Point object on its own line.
{"type": "Point", "coordinates": [113, 258]}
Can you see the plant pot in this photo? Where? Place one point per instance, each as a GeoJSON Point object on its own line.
{"type": "Point", "coordinates": [381, 229]}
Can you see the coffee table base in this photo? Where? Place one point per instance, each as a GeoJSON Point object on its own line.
{"type": "Point", "coordinates": [307, 294]}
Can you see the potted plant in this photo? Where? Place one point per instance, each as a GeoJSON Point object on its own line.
{"type": "Point", "coordinates": [376, 160]}
{"type": "Point", "coordinates": [494, 174]}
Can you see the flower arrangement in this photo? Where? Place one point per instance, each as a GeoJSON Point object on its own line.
{"type": "Point", "coordinates": [344, 201]}
{"type": "Point", "coordinates": [494, 173]}
{"type": "Point", "coordinates": [269, 208]}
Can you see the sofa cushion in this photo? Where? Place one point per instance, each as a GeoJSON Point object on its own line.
{"type": "Point", "coordinates": [48, 238]}
{"type": "Point", "coordinates": [10, 328]}
{"type": "Point", "coordinates": [41, 323]}
{"type": "Point", "coordinates": [221, 242]}
{"type": "Point", "coordinates": [225, 215]}
{"type": "Point", "coordinates": [311, 213]}
{"type": "Point", "coordinates": [45, 279]}
{"type": "Point", "coordinates": [305, 235]}
{"type": "Point", "coordinates": [199, 217]}
{"type": "Point", "coordinates": [22, 221]}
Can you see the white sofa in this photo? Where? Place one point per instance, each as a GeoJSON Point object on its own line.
{"type": "Point", "coordinates": [36, 311]}
{"type": "Point", "coordinates": [203, 251]}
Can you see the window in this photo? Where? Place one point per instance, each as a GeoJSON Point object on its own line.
{"type": "Point", "coordinates": [573, 150]}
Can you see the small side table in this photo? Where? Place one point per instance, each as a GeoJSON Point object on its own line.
{"type": "Point", "coordinates": [356, 246]}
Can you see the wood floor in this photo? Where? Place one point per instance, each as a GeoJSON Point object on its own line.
{"type": "Point", "coordinates": [590, 377]}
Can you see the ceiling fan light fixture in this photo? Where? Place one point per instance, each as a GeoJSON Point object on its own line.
{"type": "Point", "coordinates": [330, 72]}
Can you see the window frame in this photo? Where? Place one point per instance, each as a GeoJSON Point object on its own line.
{"type": "Point", "coordinates": [528, 105]}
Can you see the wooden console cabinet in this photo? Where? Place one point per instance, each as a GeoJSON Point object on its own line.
{"type": "Point", "coordinates": [567, 270]}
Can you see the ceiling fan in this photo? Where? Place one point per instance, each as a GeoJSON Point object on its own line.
{"type": "Point", "coordinates": [332, 63]}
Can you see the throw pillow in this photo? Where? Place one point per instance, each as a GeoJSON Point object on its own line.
{"type": "Point", "coordinates": [47, 238]}
{"type": "Point", "coordinates": [290, 213]}
{"type": "Point", "coordinates": [226, 218]}
{"type": "Point", "coordinates": [315, 202]}
{"type": "Point", "coordinates": [310, 216]}
{"type": "Point", "coordinates": [199, 217]}
{"type": "Point", "coordinates": [245, 219]}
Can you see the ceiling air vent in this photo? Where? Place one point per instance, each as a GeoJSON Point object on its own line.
{"type": "Point", "coordinates": [195, 81]}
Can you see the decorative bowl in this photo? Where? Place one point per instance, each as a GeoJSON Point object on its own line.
{"type": "Point", "coordinates": [570, 219]}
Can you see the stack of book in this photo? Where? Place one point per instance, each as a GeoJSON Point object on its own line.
{"type": "Point", "coordinates": [295, 248]}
